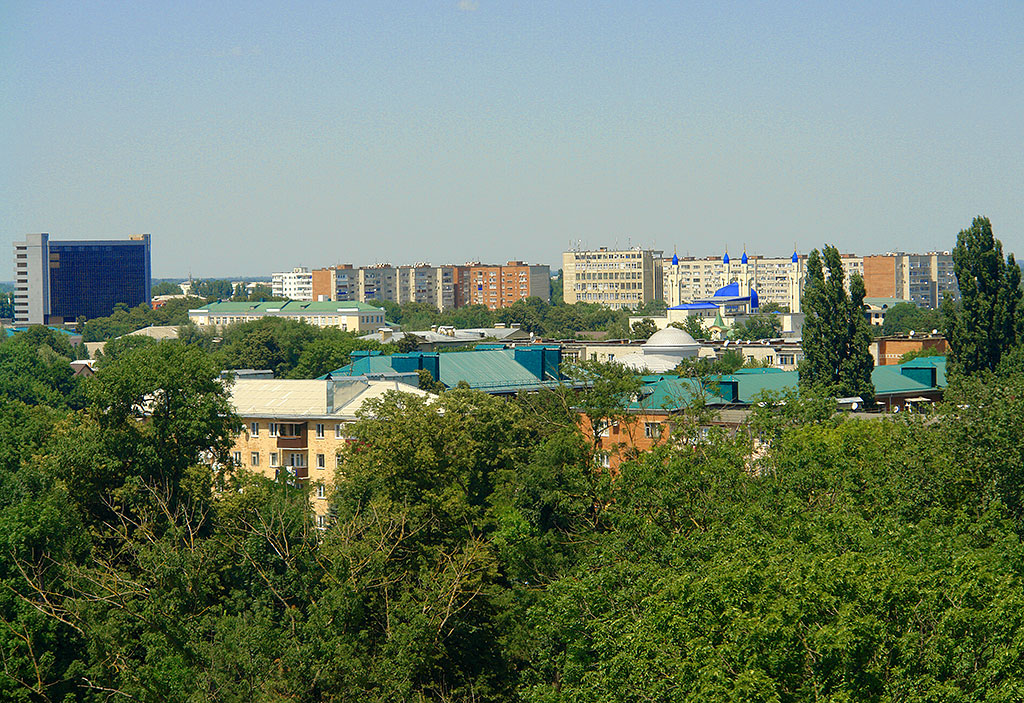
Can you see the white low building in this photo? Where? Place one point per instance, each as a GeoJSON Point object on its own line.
{"type": "Point", "coordinates": [662, 353]}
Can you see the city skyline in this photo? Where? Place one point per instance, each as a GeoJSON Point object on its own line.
{"type": "Point", "coordinates": [252, 139]}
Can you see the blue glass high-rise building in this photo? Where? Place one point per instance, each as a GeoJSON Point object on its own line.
{"type": "Point", "coordinates": [59, 282]}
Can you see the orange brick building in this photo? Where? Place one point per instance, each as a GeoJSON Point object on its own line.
{"type": "Point", "coordinates": [501, 286]}
{"type": "Point", "coordinates": [888, 350]}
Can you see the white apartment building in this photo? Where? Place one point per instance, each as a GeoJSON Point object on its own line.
{"type": "Point", "coordinates": [624, 278]}
{"type": "Point", "coordinates": [296, 284]}
{"type": "Point", "coordinates": [778, 280]}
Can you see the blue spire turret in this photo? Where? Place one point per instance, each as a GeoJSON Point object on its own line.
{"type": "Point", "coordinates": [743, 259]}
{"type": "Point", "coordinates": [795, 257]}
{"type": "Point", "coordinates": [725, 259]}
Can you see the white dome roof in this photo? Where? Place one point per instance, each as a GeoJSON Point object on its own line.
{"type": "Point", "coordinates": [670, 337]}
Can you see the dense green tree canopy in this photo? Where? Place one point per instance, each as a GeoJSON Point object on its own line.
{"type": "Point", "coordinates": [986, 324]}
{"type": "Point", "coordinates": [903, 318]}
{"type": "Point", "coordinates": [761, 326]}
{"type": "Point", "coordinates": [836, 334]}
{"type": "Point", "coordinates": [165, 288]}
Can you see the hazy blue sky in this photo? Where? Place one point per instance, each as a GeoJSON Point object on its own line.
{"type": "Point", "coordinates": [252, 137]}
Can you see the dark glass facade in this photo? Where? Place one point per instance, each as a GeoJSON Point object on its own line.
{"type": "Point", "coordinates": [89, 278]}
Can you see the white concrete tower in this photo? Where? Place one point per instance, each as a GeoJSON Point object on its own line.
{"type": "Point", "coordinates": [796, 282]}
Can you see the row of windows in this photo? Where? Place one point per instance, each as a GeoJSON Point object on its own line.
{"type": "Point", "coordinates": [295, 459]}
{"type": "Point", "coordinates": [290, 429]}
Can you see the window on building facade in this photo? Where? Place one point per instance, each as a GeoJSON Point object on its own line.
{"type": "Point", "coordinates": [321, 461]}
{"type": "Point", "coordinates": [321, 491]}
{"type": "Point", "coordinates": [337, 431]}
{"type": "Point", "coordinates": [272, 428]}
{"type": "Point", "coordinates": [319, 430]}
{"type": "Point", "coordinates": [652, 430]}
{"type": "Point", "coordinates": [254, 459]}
{"type": "Point", "coordinates": [237, 457]}
{"type": "Point", "coordinates": [273, 458]}
{"type": "Point", "coordinates": [321, 521]}
{"type": "Point", "coordinates": [254, 429]}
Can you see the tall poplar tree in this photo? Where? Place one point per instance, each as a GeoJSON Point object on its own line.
{"type": "Point", "coordinates": [835, 334]}
{"type": "Point", "coordinates": [984, 326]}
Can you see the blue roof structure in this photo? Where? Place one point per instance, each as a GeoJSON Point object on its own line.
{"type": "Point", "coordinates": [743, 259]}
{"type": "Point", "coordinates": [725, 259]}
{"type": "Point", "coordinates": [694, 306]}
{"type": "Point", "coordinates": [731, 290]}
{"type": "Point", "coordinates": [675, 260]}
{"type": "Point", "coordinates": [795, 257]}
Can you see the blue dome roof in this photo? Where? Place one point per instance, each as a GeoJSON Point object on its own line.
{"type": "Point", "coordinates": [754, 302]}
{"type": "Point", "coordinates": [675, 260]}
{"type": "Point", "coordinates": [725, 259]}
{"type": "Point", "coordinates": [795, 257]}
{"type": "Point", "coordinates": [730, 291]}
{"type": "Point", "coordinates": [743, 259]}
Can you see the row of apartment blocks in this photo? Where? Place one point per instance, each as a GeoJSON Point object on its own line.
{"type": "Point", "coordinates": [444, 287]}
{"type": "Point", "coordinates": [630, 278]}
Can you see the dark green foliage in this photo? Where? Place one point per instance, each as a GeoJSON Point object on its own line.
{"type": "Point", "coordinates": [428, 383]}
{"type": "Point", "coordinates": [919, 353]}
{"type": "Point", "coordinates": [643, 328]}
{"type": "Point", "coordinates": [762, 326]}
{"type": "Point", "coordinates": [533, 315]}
{"type": "Point", "coordinates": [35, 369]}
{"type": "Point", "coordinates": [557, 284]}
{"type": "Point", "coordinates": [212, 288]}
{"type": "Point", "coordinates": [836, 334]}
{"type": "Point", "coordinates": [119, 346]}
{"type": "Point", "coordinates": [122, 320]}
{"type": "Point", "coordinates": [476, 552]}
{"type": "Point", "coordinates": [165, 288]}
{"type": "Point", "coordinates": [902, 318]}
{"type": "Point", "coordinates": [693, 326]}
{"type": "Point", "coordinates": [6, 305]}
{"type": "Point", "coordinates": [985, 325]}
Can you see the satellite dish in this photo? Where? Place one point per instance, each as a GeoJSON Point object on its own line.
{"type": "Point", "coordinates": [895, 408]}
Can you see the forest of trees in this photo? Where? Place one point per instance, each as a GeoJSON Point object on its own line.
{"type": "Point", "coordinates": [477, 553]}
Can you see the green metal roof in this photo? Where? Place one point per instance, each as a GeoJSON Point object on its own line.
{"type": "Point", "coordinates": [672, 393]}
{"type": "Point", "coordinates": [489, 369]}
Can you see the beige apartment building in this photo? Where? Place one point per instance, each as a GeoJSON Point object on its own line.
{"type": "Point", "coordinates": [624, 278]}
{"type": "Point", "coordinates": [295, 430]}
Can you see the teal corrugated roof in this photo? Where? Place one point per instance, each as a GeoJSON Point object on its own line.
{"type": "Point", "coordinates": [487, 370]}
{"type": "Point", "coordinates": [939, 362]}
{"type": "Point", "coordinates": [890, 379]}
{"type": "Point", "coordinates": [670, 393]}
{"type": "Point", "coordinates": [490, 370]}
{"type": "Point", "coordinates": [749, 385]}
